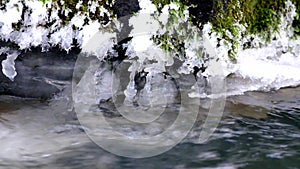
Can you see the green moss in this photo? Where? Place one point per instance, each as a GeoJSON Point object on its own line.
{"type": "Point", "coordinates": [173, 39]}
{"type": "Point", "coordinates": [224, 23]}
{"type": "Point", "coordinates": [265, 18]}
{"type": "Point", "coordinates": [259, 17]}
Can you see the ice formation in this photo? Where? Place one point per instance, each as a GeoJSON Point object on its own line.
{"type": "Point", "coordinates": [36, 32]}
{"type": "Point", "coordinates": [267, 65]}
{"type": "Point", "coordinates": [8, 65]}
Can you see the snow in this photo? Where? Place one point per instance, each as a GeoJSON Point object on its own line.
{"type": "Point", "coordinates": [274, 65]}
{"type": "Point", "coordinates": [147, 6]}
{"type": "Point", "coordinates": [34, 33]}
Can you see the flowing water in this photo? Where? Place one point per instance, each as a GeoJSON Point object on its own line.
{"type": "Point", "coordinates": [258, 130]}
{"type": "Point", "coordinates": [259, 127]}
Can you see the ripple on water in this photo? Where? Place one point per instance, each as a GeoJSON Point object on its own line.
{"type": "Point", "coordinates": [258, 130]}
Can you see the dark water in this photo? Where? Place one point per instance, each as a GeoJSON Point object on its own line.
{"type": "Point", "coordinates": [258, 130]}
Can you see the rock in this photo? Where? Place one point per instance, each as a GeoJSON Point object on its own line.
{"type": "Point", "coordinates": [40, 75]}
{"type": "Point", "coordinates": [126, 7]}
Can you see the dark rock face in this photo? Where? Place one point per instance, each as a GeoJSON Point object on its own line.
{"type": "Point", "coordinates": [201, 10]}
{"type": "Point", "coordinates": [40, 75]}
{"type": "Point", "coordinates": [126, 7]}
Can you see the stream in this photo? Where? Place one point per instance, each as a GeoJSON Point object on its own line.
{"type": "Point", "coordinates": [257, 130]}
{"type": "Point", "coordinates": [53, 95]}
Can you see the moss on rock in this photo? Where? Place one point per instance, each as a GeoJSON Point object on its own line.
{"type": "Point", "coordinates": [235, 19]}
{"type": "Point", "coordinates": [260, 17]}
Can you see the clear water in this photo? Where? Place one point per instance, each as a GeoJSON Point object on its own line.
{"type": "Point", "coordinates": [258, 130]}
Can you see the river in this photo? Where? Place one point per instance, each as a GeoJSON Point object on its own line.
{"type": "Point", "coordinates": [257, 130]}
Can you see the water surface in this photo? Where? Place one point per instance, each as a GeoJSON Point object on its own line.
{"type": "Point", "coordinates": [258, 130]}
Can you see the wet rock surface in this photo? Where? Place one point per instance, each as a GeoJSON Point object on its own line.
{"type": "Point", "coordinates": [40, 75]}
